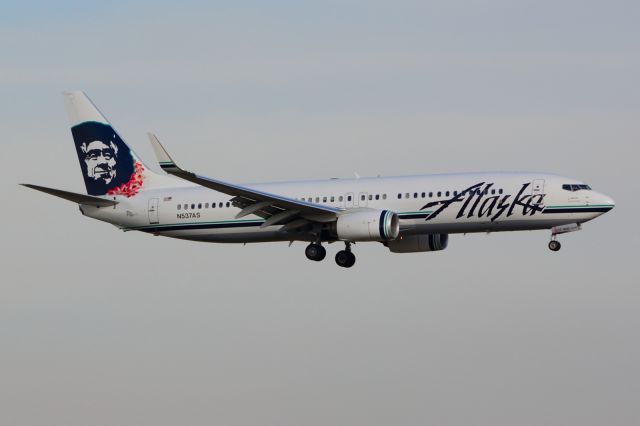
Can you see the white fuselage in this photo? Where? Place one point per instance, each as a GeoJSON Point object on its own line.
{"type": "Point", "coordinates": [427, 204]}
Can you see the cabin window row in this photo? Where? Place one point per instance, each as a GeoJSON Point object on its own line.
{"type": "Point", "coordinates": [340, 198]}
{"type": "Point", "coordinates": [199, 206]}
{"type": "Point", "coordinates": [431, 194]}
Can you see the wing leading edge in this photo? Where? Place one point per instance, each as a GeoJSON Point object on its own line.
{"type": "Point", "coordinates": [276, 209]}
{"type": "Point", "coordinates": [72, 196]}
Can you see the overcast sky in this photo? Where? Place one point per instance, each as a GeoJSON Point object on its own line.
{"type": "Point", "coordinates": [101, 327]}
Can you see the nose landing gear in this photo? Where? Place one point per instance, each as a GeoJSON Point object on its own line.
{"type": "Point", "coordinates": [346, 258]}
{"type": "Point", "coordinates": [554, 245]}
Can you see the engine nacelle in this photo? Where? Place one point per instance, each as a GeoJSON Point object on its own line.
{"type": "Point", "coordinates": [418, 243]}
{"type": "Point", "coordinates": [368, 225]}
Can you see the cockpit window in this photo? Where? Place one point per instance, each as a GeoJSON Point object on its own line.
{"type": "Point", "coordinates": [575, 187]}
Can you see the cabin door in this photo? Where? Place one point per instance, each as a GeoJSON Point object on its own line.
{"type": "Point", "coordinates": [153, 211]}
{"type": "Point", "coordinates": [537, 187]}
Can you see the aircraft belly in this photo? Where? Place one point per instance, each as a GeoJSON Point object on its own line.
{"type": "Point", "coordinates": [227, 235]}
{"type": "Point", "coordinates": [420, 226]}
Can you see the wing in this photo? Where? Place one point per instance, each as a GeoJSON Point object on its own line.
{"type": "Point", "coordinates": [72, 196]}
{"type": "Point", "coordinates": [276, 209]}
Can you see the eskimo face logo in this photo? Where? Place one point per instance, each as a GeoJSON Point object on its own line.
{"type": "Point", "coordinates": [107, 165]}
{"type": "Point", "coordinates": [100, 160]}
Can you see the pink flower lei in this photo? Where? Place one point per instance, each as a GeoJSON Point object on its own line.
{"type": "Point", "coordinates": [130, 188]}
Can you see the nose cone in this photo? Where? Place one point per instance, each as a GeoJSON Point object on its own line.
{"type": "Point", "coordinates": [604, 202]}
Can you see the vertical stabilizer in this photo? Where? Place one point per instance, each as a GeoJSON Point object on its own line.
{"type": "Point", "coordinates": [109, 166]}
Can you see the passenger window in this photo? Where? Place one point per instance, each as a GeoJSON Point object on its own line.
{"type": "Point", "coordinates": [333, 199]}
{"type": "Point", "coordinates": [340, 198]}
{"type": "Point", "coordinates": [220, 205]}
{"type": "Point", "coordinates": [447, 194]}
{"type": "Point", "coordinates": [199, 205]}
{"type": "Point", "coordinates": [399, 196]}
{"type": "Point", "coordinates": [493, 191]}
{"type": "Point", "coordinates": [193, 206]}
{"type": "Point", "coordinates": [424, 194]}
{"type": "Point", "coordinates": [324, 199]}
{"type": "Point", "coordinates": [179, 206]}
{"type": "Point", "coordinates": [384, 196]}
{"type": "Point", "coordinates": [407, 195]}
{"type": "Point", "coordinates": [317, 199]}
{"type": "Point", "coordinates": [415, 195]}
{"type": "Point", "coordinates": [349, 198]}
{"type": "Point", "coordinates": [431, 195]}
{"type": "Point", "coordinates": [213, 205]}
{"type": "Point", "coordinates": [500, 191]}
{"type": "Point", "coordinates": [370, 197]}
{"type": "Point", "coordinates": [439, 193]}
{"type": "Point", "coordinates": [455, 193]}
{"type": "Point", "coordinates": [362, 197]}
{"type": "Point", "coordinates": [377, 196]}
{"type": "Point", "coordinates": [228, 204]}
{"type": "Point", "coordinates": [206, 206]}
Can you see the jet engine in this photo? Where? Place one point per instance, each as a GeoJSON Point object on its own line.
{"type": "Point", "coordinates": [367, 225]}
{"type": "Point", "coordinates": [418, 243]}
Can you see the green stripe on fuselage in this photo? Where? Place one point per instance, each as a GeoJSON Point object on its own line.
{"type": "Point", "coordinates": [135, 228]}
{"type": "Point", "coordinates": [582, 206]}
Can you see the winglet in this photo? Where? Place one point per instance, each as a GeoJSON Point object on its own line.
{"type": "Point", "coordinates": [166, 163]}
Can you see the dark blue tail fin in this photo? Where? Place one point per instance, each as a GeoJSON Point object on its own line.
{"type": "Point", "coordinates": [109, 166]}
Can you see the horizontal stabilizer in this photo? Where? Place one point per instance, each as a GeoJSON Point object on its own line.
{"type": "Point", "coordinates": [72, 196]}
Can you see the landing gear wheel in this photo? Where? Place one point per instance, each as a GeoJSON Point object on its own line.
{"type": "Point", "coordinates": [345, 258]}
{"type": "Point", "coordinates": [315, 252]}
{"type": "Point", "coordinates": [554, 245]}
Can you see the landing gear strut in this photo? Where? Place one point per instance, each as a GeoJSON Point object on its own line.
{"type": "Point", "coordinates": [345, 258]}
{"type": "Point", "coordinates": [554, 244]}
{"type": "Point", "coordinates": [315, 251]}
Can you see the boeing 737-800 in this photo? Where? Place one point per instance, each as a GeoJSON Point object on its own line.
{"type": "Point", "coordinates": [406, 214]}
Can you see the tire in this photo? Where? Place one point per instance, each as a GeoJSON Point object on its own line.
{"type": "Point", "coordinates": [345, 259]}
{"type": "Point", "coordinates": [315, 252]}
{"type": "Point", "coordinates": [554, 245]}
{"type": "Point", "coordinates": [352, 260]}
{"type": "Point", "coordinates": [342, 258]}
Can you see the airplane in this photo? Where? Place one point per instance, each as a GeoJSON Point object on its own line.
{"type": "Point", "coordinates": [406, 214]}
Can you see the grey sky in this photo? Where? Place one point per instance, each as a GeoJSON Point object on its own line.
{"type": "Point", "coordinates": [102, 327]}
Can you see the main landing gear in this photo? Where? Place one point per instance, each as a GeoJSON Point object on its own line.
{"type": "Point", "coordinates": [315, 251]}
{"type": "Point", "coordinates": [344, 258]}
